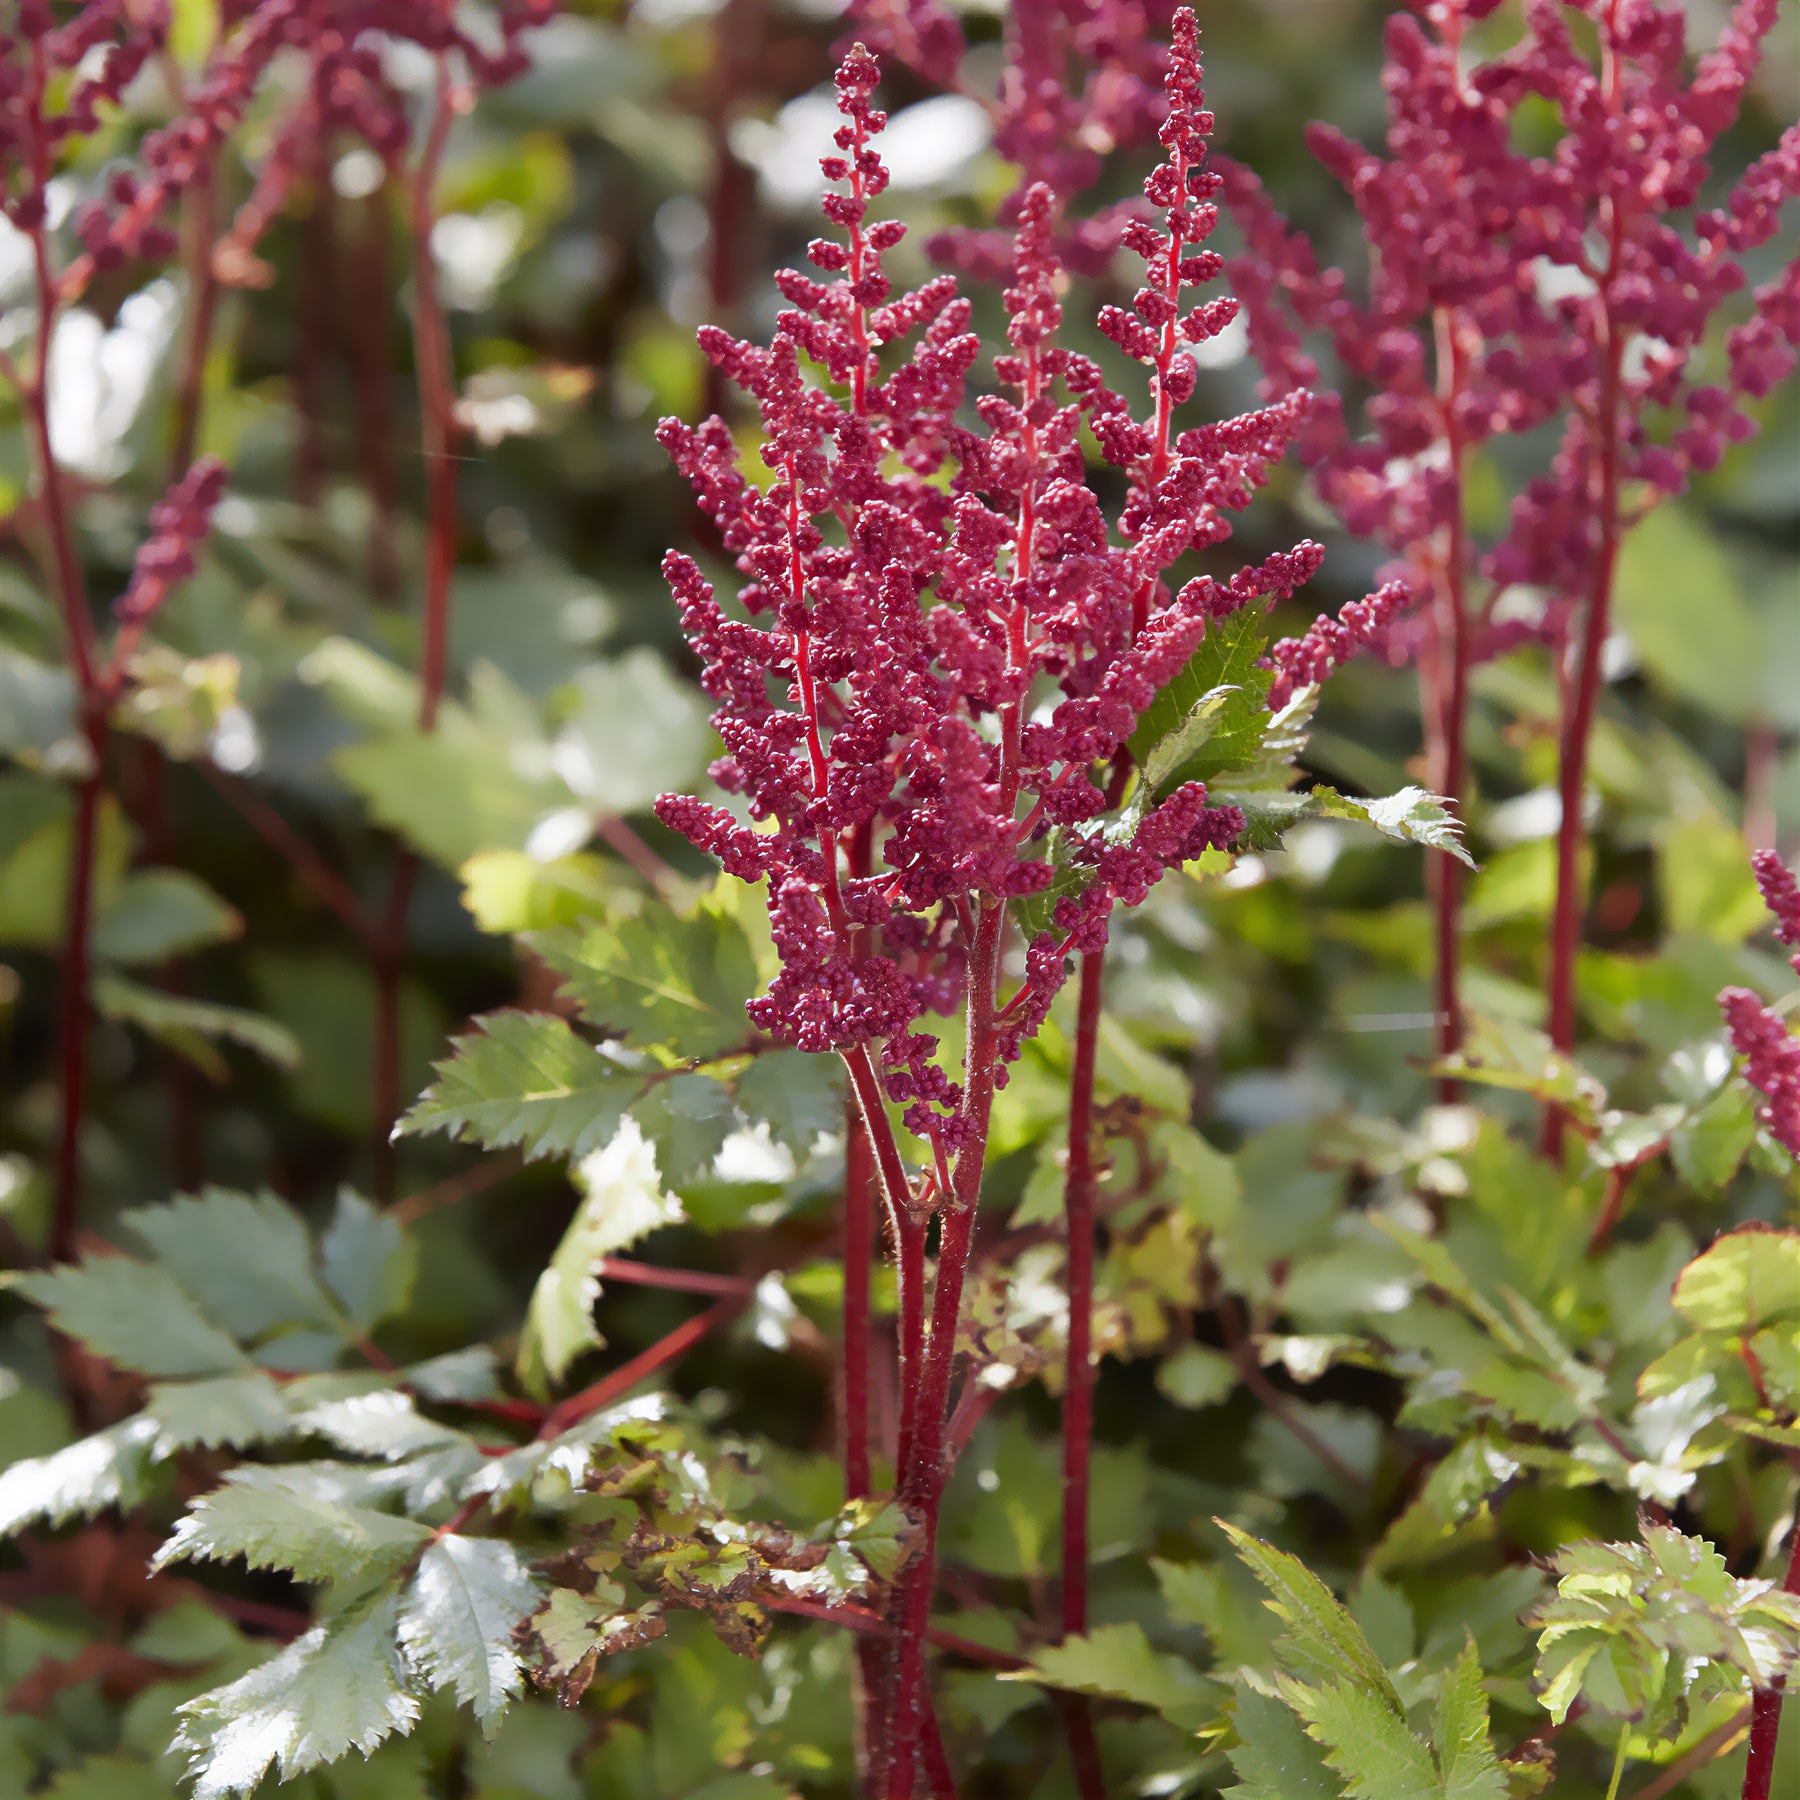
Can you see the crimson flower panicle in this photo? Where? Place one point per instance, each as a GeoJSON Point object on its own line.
{"type": "Point", "coordinates": [927, 676]}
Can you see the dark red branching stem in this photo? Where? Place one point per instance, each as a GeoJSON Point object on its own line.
{"type": "Point", "coordinates": [317, 282]}
{"type": "Point", "coordinates": [1451, 630]}
{"type": "Point", "coordinates": [859, 1255]}
{"type": "Point", "coordinates": [667, 1349]}
{"type": "Point", "coordinates": [1765, 1705]}
{"type": "Point", "coordinates": [922, 1480]}
{"type": "Point", "coordinates": [1578, 714]}
{"type": "Point", "coordinates": [437, 430]}
{"type": "Point", "coordinates": [70, 588]}
{"type": "Point", "coordinates": [373, 387]}
{"type": "Point", "coordinates": [1078, 1397]}
{"type": "Point", "coordinates": [437, 407]}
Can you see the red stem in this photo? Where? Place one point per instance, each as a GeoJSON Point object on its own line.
{"type": "Point", "coordinates": [73, 1005]}
{"type": "Point", "coordinates": [859, 1257]}
{"type": "Point", "coordinates": [1078, 1394]}
{"type": "Point", "coordinates": [1578, 720]}
{"type": "Point", "coordinates": [437, 408]}
{"type": "Point", "coordinates": [1765, 1705]}
{"type": "Point", "coordinates": [370, 312]}
{"type": "Point", "coordinates": [628, 1374]}
{"type": "Point", "coordinates": [317, 280]}
{"type": "Point", "coordinates": [437, 430]}
{"type": "Point", "coordinates": [327, 886]}
{"type": "Point", "coordinates": [680, 1281]}
{"type": "Point", "coordinates": [922, 1480]}
{"type": "Point", "coordinates": [1450, 629]}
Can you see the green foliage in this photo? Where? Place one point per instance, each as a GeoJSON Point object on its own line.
{"type": "Point", "coordinates": [408, 1553]}
{"type": "Point", "coordinates": [1651, 1632]}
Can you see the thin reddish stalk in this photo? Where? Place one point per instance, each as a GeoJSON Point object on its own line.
{"type": "Point", "coordinates": [1450, 629]}
{"type": "Point", "coordinates": [328, 887]}
{"type": "Point", "coordinates": [859, 1258]}
{"type": "Point", "coordinates": [922, 1481]}
{"type": "Point", "coordinates": [73, 1007]}
{"type": "Point", "coordinates": [317, 281]}
{"type": "Point", "coordinates": [371, 267]}
{"type": "Point", "coordinates": [1078, 1386]}
{"type": "Point", "coordinates": [679, 1281]}
{"type": "Point", "coordinates": [437, 429]}
{"type": "Point", "coordinates": [1765, 1704]}
{"type": "Point", "coordinates": [869, 1624]}
{"type": "Point", "coordinates": [628, 1374]}
{"type": "Point", "coordinates": [1578, 719]}
{"type": "Point", "coordinates": [199, 225]}
{"type": "Point", "coordinates": [437, 409]}
{"type": "Point", "coordinates": [389, 957]}
{"type": "Point", "coordinates": [78, 630]}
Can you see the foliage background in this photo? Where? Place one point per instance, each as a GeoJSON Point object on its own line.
{"type": "Point", "coordinates": [647, 173]}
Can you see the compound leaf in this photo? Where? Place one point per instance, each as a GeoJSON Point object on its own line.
{"type": "Point", "coordinates": [458, 1618]}
{"type": "Point", "coordinates": [313, 1538]}
{"type": "Point", "coordinates": [341, 1687]}
{"type": "Point", "coordinates": [527, 1079]}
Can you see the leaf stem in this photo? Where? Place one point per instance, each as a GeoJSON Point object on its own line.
{"type": "Point", "coordinates": [1765, 1703]}
{"type": "Point", "coordinates": [628, 1374]}
{"type": "Point", "coordinates": [1578, 717]}
{"type": "Point", "coordinates": [1618, 1768]}
{"type": "Point", "coordinates": [1078, 1386]}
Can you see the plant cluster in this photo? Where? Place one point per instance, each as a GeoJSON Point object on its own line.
{"type": "Point", "coordinates": [1037, 1265]}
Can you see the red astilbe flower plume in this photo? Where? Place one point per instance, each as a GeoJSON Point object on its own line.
{"type": "Point", "coordinates": [1770, 1050]}
{"type": "Point", "coordinates": [1498, 280]}
{"type": "Point", "coordinates": [1081, 79]}
{"type": "Point", "coordinates": [946, 666]}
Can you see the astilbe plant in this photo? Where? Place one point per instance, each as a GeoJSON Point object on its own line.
{"type": "Point", "coordinates": [1761, 1036]}
{"type": "Point", "coordinates": [1584, 292]}
{"type": "Point", "coordinates": [935, 677]}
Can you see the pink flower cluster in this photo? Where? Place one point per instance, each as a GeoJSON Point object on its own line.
{"type": "Point", "coordinates": [1081, 79]}
{"type": "Point", "coordinates": [943, 644]}
{"type": "Point", "coordinates": [1509, 290]}
{"type": "Point", "coordinates": [178, 521]}
{"type": "Point", "coordinates": [1770, 1050]}
{"type": "Point", "coordinates": [106, 43]}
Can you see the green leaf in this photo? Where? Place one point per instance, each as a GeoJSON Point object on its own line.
{"type": "Point", "coordinates": [622, 1200]}
{"type": "Point", "coordinates": [110, 1778]}
{"type": "Point", "coordinates": [1196, 1376]}
{"type": "Point", "coordinates": [1412, 816]}
{"type": "Point", "coordinates": [1118, 1662]}
{"type": "Point", "coordinates": [801, 1097]}
{"type": "Point", "coordinates": [160, 913]}
{"type": "Point", "coordinates": [1462, 1736]}
{"type": "Point", "coordinates": [110, 1468]}
{"type": "Point", "coordinates": [507, 891]}
{"type": "Point", "coordinates": [234, 1411]}
{"type": "Point", "coordinates": [1748, 1279]}
{"type": "Point", "coordinates": [270, 1527]}
{"type": "Point", "coordinates": [1211, 716]}
{"type": "Point", "coordinates": [38, 724]}
{"type": "Point", "coordinates": [1366, 1740]}
{"type": "Point", "coordinates": [192, 1027]}
{"type": "Point", "coordinates": [660, 979]}
{"type": "Point", "coordinates": [1274, 1758]}
{"type": "Point", "coordinates": [368, 1261]}
{"type": "Point", "coordinates": [687, 1118]}
{"type": "Point", "coordinates": [527, 1079]}
{"type": "Point", "coordinates": [572, 1633]}
{"type": "Point", "coordinates": [384, 1424]}
{"type": "Point", "coordinates": [134, 1315]}
{"type": "Point", "coordinates": [177, 701]}
{"type": "Point", "coordinates": [635, 731]}
{"type": "Point", "coordinates": [246, 1258]}
{"type": "Point", "coordinates": [339, 1688]}
{"type": "Point", "coordinates": [1666, 560]}
{"type": "Point", "coordinates": [458, 1618]}
{"type": "Point", "coordinates": [1322, 1643]}
{"type": "Point", "coordinates": [1709, 1145]}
